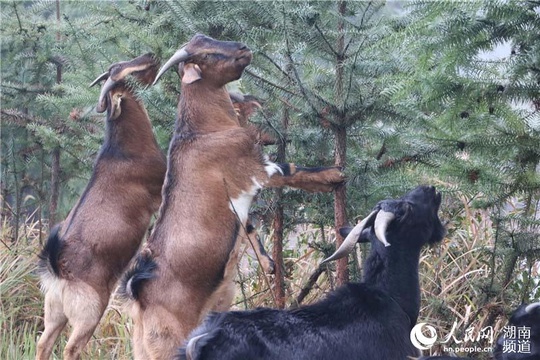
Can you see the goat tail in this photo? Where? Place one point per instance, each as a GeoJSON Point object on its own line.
{"type": "Point", "coordinates": [50, 254]}
{"type": "Point", "coordinates": [141, 270]}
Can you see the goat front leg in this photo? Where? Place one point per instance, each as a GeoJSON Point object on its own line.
{"type": "Point", "coordinates": [55, 321]}
{"type": "Point", "coordinates": [316, 179]}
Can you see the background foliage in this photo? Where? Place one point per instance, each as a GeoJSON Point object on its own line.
{"type": "Point", "coordinates": [446, 93]}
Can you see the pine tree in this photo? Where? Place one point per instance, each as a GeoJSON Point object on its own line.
{"type": "Point", "coordinates": [479, 113]}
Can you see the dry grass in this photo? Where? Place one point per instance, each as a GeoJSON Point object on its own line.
{"type": "Point", "coordinates": [455, 279]}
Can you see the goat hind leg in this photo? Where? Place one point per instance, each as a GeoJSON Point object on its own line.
{"type": "Point", "coordinates": [137, 342]}
{"type": "Point", "coordinates": [86, 306]}
{"type": "Point", "coordinates": [163, 333]}
{"type": "Point", "coordinates": [55, 320]}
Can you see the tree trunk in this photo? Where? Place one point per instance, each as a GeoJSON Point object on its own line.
{"type": "Point", "coordinates": [55, 185]}
{"type": "Point", "coordinates": [277, 251]}
{"type": "Point", "coordinates": [340, 215]}
{"type": "Point", "coordinates": [55, 160]}
{"type": "Point", "coordinates": [340, 150]}
{"type": "Point", "coordinates": [278, 222]}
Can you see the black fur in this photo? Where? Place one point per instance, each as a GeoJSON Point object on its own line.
{"type": "Point", "coordinates": [520, 319]}
{"type": "Point", "coordinates": [48, 258]}
{"type": "Point", "coordinates": [143, 269]}
{"type": "Point", "coordinates": [443, 358]}
{"type": "Point", "coordinates": [285, 169]}
{"type": "Point", "coordinates": [319, 331]}
{"type": "Point", "coordinates": [366, 321]}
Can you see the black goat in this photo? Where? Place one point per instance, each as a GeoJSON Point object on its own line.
{"type": "Point", "coordinates": [370, 320]}
{"type": "Point", "coordinates": [525, 317]}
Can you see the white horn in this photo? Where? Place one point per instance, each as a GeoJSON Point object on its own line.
{"type": "Point", "coordinates": [178, 57]}
{"type": "Point", "coordinates": [102, 105]}
{"type": "Point", "coordinates": [190, 355]}
{"type": "Point", "coordinates": [348, 244]}
{"type": "Point", "coordinates": [103, 76]}
{"type": "Point", "coordinates": [530, 308]}
{"type": "Point", "coordinates": [382, 221]}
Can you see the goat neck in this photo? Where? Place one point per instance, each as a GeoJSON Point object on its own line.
{"type": "Point", "coordinates": [397, 230]}
{"type": "Point", "coordinates": [129, 134]}
{"type": "Point", "coordinates": [211, 112]}
{"type": "Point", "coordinates": [393, 263]}
{"type": "Point", "coordinates": [394, 269]}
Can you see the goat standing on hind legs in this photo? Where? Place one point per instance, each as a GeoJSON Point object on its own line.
{"type": "Point", "coordinates": [319, 179]}
{"type": "Point", "coordinates": [86, 254]}
{"type": "Point", "coordinates": [215, 168]}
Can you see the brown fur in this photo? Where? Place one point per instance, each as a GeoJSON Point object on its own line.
{"type": "Point", "coordinates": [322, 179]}
{"type": "Point", "coordinates": [105, 228]}
{"type": "Point", "coordinates": [214, 169]}
{"type": "Point", "coordinates": [309, 179]}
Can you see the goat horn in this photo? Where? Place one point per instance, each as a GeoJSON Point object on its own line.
{"type": "Point", "coordinates": [102, 105]}
{"type": "Point", "coordinates": [530, 308]}
{"type": "Point", "coordinates": [384, 218]}
{"type": "Point", "coordinates": [103, 76]}
{"type": "Point", "coordinates": [348, 244]}
{"type": "Point", "coordinates": [179, 56]}
{"type": "Point", "coordinates": [190, 355]}
{"type": "Point", "coordinates": [236, 96]}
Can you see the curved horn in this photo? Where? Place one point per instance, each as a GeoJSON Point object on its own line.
{"type": "Point", "coordinates": [382, 221]}
{"type": "Point", "coordinates": [179, 56]}
{"type": "Point", "coordinates": [530, 308]}
{"type": "Point", "coordinates": [190, 348]}
{"type": "Point", "coordinates": [103, 76]}
{"type": "Point", "coordinates": [348, 244]}
{"type": "Point", "coordinates": [102, 104]}
{"type": "Point", "coordinates": [236, 96]}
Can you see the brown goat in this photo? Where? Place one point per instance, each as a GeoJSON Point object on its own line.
{"type": "Point", "coordinates": [245, 106]}
{"type": "Point", "coordinates": [310, 179]}
{"type": "Point", "coordinates": [214, 169]}
{"type": "Point", "coordinates": [86, 254]}
{"type": "Point", "coordinates": [322, 179]}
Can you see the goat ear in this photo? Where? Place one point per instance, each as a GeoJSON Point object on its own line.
{"type": "Point", "coordinates": [192, 73]}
